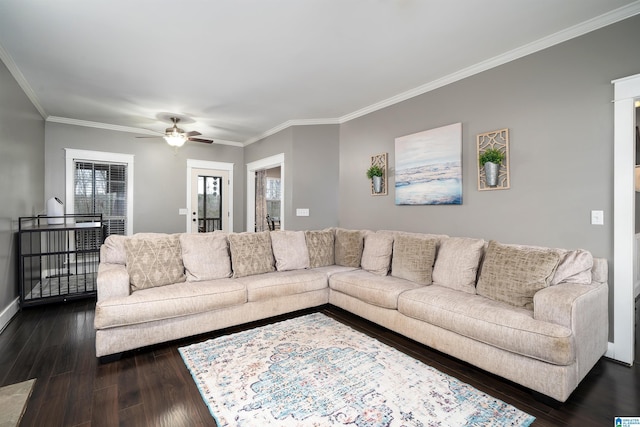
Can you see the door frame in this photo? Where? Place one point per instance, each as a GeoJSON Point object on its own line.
{"type": "Point", "coordinates": [266, 163]}
{"type": "Point", "coordinates": [626, 91]}
{"type": "Point", "coordinates": [206, 164]}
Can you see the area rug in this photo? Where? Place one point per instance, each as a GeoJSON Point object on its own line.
{"type": "Point", "coordinates": [13, 402]}
{"type": "Point", "coordinates": [316, 371]}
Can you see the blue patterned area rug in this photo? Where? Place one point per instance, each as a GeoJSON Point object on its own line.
{"type": "Point", "coordinates": [315, 371]}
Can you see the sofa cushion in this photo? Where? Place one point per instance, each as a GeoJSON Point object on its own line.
{"type": "Point", "coordinates": [376, 255]}
{"type": "Point", "coordinates": [348, 247]}
{"type": "Point", "coordinates": [457, 263]}
{"type": "Point", "coordinates": [289, 250]}
{"type": "Point", "coordinates": [371, 288]}
{"type": "Point", "coordinates": [113, 250]}
{"type": "Point", "coordinates": [251, 253]}
{"type": "Point", "coordinates": [167, 302]}
{"type": "Point", "coordinates": [575, 267]}
{"type": "Point", "coordinates": [154, 262]}
{"type": "Point", "coordinates": [283, 283]}
{"type": "Point", "coordinates": [205, 256]}
{"type": "Point", "coordinates": [492, 322]}
{"type": "Point", "coordinates": [514, 274]}
{"type": "Point", "coordinates": [320, 245]}
{"type": "Point", "coordinates": [413, 258]}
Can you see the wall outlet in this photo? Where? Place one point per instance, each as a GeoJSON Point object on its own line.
{"type": "Point", "coordinates": [597, 217]}
{"type": "Point", "coordinates": [302, 212]}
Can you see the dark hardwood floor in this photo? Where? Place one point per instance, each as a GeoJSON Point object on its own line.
{"type": "Point", "coordinates": [152, 387]}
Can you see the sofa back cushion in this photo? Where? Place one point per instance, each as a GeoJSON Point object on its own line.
{"type": "Point", "coordinates": [376, 255]}
{"type": "Point", "coordinates": [320, 245]}
{"type": "Point", "coordinates": [155, 261]}
{"type": "Point", "coordinates": [251, 253]}
{"type": "Point", "coordinates": [348, 247]}
{"type": "Point", "coordinates": [513, 274]}
{"type": "Point", "coordinates": [205, 256]}
{"type": "Point", "coordinates": [457, 263]}
{"type": "Point", "coordinates": [289, 250]}
{"type": "Point", "coordinates": [413, 258]}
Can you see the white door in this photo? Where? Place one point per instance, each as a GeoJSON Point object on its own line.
{"type": "Point", "coordinates": [209, 200]}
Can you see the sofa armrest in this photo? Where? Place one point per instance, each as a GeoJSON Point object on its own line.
{"type": "Point", "coordinates": [585, 310]}
{"type": "Point", "coordinates": [112, 281]}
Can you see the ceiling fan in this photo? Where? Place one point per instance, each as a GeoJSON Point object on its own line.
{"type": "Point", "coordinates": [176, 137]}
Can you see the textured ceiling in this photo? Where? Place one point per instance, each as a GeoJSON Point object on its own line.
{"type": "Point", "coordinates": [237, 70]}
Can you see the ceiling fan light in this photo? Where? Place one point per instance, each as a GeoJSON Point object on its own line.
{"type": "Point", "coordinates": [175, 140]}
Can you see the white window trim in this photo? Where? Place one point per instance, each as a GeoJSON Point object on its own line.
{"type": "Point", "coordinates": [98, 156]}
{"type": "Point", "coordinates": [205, 164]}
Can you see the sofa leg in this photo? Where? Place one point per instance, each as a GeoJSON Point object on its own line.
{"type": "Point", "coordinates": [549, 401]}
{"type": "Point", "coordinates": [110, 358]}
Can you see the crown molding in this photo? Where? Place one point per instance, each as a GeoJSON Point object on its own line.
{"type": "Point", "coordinates": [561, 36]}
{"type": "Point", "coordinates": [118, 128]}
{"type": "Point", "coordinates": [98, 125]}
{"type": "Point", "coordinates": [22, 81]}
{"type": "Point", "coordinates": [291, 123]}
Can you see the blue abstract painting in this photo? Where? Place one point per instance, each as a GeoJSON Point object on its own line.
{"type": "Point", "coordinates": [429, 167]}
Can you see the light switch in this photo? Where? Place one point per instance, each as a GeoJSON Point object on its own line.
{"type": "Point", "coordinates": [597, 217]}
{"type": "Point", "coordinates": [182, 211]}
{"type": "Point", "coordinates": [302, 212]}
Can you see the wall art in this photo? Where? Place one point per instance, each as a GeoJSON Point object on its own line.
{"type": "Point", "coordinates": [428, 167]}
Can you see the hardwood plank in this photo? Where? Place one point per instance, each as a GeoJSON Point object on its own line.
{"type": "Point", "coordinates": [152, 386]}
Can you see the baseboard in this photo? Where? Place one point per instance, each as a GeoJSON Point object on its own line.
{"type": "Point", "coordinates": [610, 351]}
{"type": "Point", "coordinates": [7, 314]}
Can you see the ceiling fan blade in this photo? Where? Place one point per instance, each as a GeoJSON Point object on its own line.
{"type": "Point", "coordinates": [192, 133]}
{"type": "Point", "coordinates": [206, 141]}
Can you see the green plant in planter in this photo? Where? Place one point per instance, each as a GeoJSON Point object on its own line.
{"type": "Point", "coordinates": [375, 170]}
{"type": "Point", "coordinates": [492, 155]}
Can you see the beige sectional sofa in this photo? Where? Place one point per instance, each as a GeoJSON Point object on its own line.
{"type": "Point", "coordinates": [536, 316]}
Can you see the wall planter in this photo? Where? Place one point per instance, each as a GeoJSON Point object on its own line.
{"type": "Point", "coordinates": [377, 173]}
{"type": "Point", "coordinates": [493, 160]}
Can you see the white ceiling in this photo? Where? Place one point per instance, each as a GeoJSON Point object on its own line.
{"type": "Point", "coordinates": [238, 70]}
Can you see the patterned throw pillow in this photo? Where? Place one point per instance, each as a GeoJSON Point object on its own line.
{"type": "Point", "coordinates": [205, 256]}
{"type": "Point", "coordinates": [413, 258]}
{"type": "Point", "coordinates": [457, 263]}
{"type": "Point", "coordinates": [251, 253]}
{"type": "Point", "coordinates": [514, 274]}
{"type": "Point", "coordinates": [289, 250]}
{"type": "Point", "coordinates": [376, 256]}
{"type": "Point", "coordinates": [348, 247]}
{"type": "Point", "coordinates": [320, 245]}
{"type": "Point", "coordinates": [154, 262]}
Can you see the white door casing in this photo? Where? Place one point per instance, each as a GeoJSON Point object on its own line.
{"type": "Point", "coordinates": [209, 168]}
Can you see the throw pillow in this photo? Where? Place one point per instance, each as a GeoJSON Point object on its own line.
{"type": "Point", "coordinates": [154, 262]}
{"type": "Point", "coordinates": [289, 250]}
{"type": "Point", "coordinates": [376, 255]}
{"type": "Point", "coordinates": [251, 253]}
{"type": "Point", "coordinates": [457, 263]}
{"type": "Point", "coordinates": [575, 267]}
{"type": "Point", "coordinates": [413, 258]}
{"type": "Point", "coordinates": [348, 247]}
{"type": "Point", "coordinates": [514, 274]}
{"type": "Point", "coordinates": [205, 256]}
{"type": "Point", "coordinates": [320, 245]}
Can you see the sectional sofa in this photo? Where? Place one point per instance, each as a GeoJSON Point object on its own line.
{"type": "Point", "coordinates": [536, 316]}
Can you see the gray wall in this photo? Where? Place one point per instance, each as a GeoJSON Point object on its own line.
{"type": "Point", "coordinates": [557, 105]}
{"type": "Point", "coordinates": [311, 172]}
{"type": "Point", "coordinates": [22, 181]}
{"type": "Point", "coordinates": [160, 172]}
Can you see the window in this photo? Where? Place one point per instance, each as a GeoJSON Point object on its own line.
{"type": "Point", "coordinates": [101, 188]}
{"type": "Point", "coordinates": [101, 183]}
{"type": "Point", "coordinates": [273, 197]}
